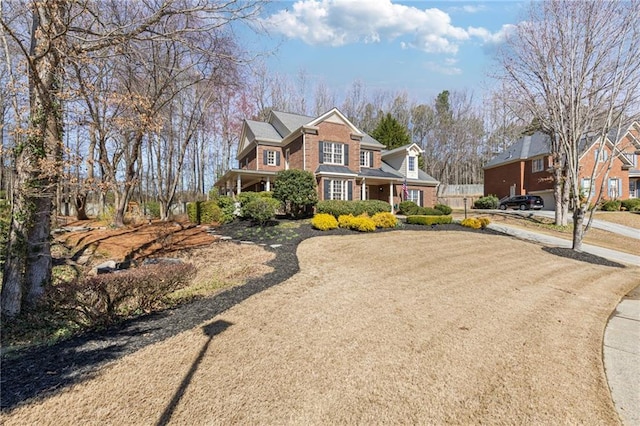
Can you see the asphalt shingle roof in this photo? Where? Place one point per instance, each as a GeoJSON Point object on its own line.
{"type": "Point", "coordinates": [525, 147]}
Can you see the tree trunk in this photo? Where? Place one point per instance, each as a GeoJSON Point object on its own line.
{"type": "Point", "coordinates": [28, 265]}
{"type": "Point", "coordinates": [578, 228]}
{"type": "Point", "coordinates": [81, 205]}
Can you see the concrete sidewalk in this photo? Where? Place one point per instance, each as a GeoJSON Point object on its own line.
{"type": "Point", "coordinates": [621, 350]}
{"type": "Point", "coordinates": [622, 357]}
{"type": "Point", "coordinates": [524, 234]}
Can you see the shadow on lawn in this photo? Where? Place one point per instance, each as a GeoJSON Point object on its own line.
{"type": "Point", "coordinates": [210, 330]}
{"type": "Point", "coordinates": [582, 256]}
{"type": "Point", "coordinates": [40, 371]}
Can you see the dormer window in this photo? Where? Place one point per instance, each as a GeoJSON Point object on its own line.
{"type": "Point", "coordinates": [412, 164]}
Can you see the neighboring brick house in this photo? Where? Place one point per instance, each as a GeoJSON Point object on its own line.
{"type": "Point", "coordinates": [348, 163]}
{"type": "Point", "coordinates": [629, 146]}
{"type": "Point", "coordinates": [525, 168]}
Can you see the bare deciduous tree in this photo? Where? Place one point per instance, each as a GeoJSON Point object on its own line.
{"type": "Point", "coordinates": [60, 32]}
{"type": "Point", "coordinates": [575, 66]}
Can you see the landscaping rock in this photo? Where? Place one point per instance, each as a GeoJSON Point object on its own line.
{"type": "Point", "coordinates": [106, 267]}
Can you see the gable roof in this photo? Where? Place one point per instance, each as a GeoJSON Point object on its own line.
{"type": "Point", "coordinates": [402, 149]}
{"type": "Point", "coordinates": [263, 131]}
{"type": "Point", "coordinates": [283, 127]}
{"type": "Point", "coordinates": [526, 147]}
{"type": "Point", "coordinates": [286, 123]}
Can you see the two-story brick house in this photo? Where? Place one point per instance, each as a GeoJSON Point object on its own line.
{"type": "Point", "coordinates": [525, 167]}
{"type": "Point", "coordinates": [348, 163]}
{"type": "Point", "coordinates": [629, 146]}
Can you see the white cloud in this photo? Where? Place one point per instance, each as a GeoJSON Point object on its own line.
{"type": "Point", "coordinates": [447, 67]}
{"type": "Point", "coordinates": [469, 8]}
{"type": "Point", "coordinates": [492, 38]}
{"type": "Point", "coordinates": [340, 22]}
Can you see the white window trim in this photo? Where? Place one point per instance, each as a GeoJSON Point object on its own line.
{"type": "Point", "coordinates": [343, 190]}
{"type": "Point", "coordinates": [271, 158]}
{"type": "Point", "coordinates": [364, 159]}
{"type": "Point", "coordinates": [537, 165]}
{"type": "Point", "coordinates": [411, 165]}
{"type": "Point", "coordinates": [601, 155]}
{"type": "Point", "coordinates": [330, 153]}
{"type": "Point", "coordinates": [618, 188]}
{"type": "Point", "coordinates": [413, 195]}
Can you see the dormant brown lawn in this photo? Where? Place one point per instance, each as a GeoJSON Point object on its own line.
{"type": "Point", "coordinates": [394, 328]}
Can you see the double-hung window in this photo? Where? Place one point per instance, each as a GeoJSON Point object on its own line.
{"type": "Point", "coordinates": [333, 153]}
{"type": "Point", "coordinates": [601, 155]}
{"type": "Point", "coordinates": [537, 165]}
{"type": "Point", "coordinates": [412, 164]}
{"type": "Point", "coordinates": [337, 189]}
{"type": "Point", "coordinates": [271, 158]}
{"type": "Point", "coordinates": [414, 195]}
{"type": "Point", "coordinates": [614, 188]}
{"type": "Point", "coordinates": [585, 186]}
{"type": "Point", "coordinates": [365, 158]}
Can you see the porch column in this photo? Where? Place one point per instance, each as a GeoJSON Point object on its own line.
{"type": "Point", "coordinates": [239, 185]}
{"type": "Point", "coordinates": [267, 186]}
{"type": "Point", "coordinates": [391, 196]}
{"type": "Point", "coordinates": [363, 189]}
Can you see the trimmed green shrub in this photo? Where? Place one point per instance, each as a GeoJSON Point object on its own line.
{"type": "Point", "coordinates": [338, 208]}
{"type": "Point", "coordinates": [371, 207]}
{"type": "Point", "coordinates": [445, 209]}
{"type": "Point", "coordinates": [488, 202]}
{"type": "Point", "coordinates": [631, 205]}
{"type": "Point", "coordinates": [408, 208]}
{"type": "Point", "coordinates": [611, 206]}
{"type": "Point", "coordinates": [428, 211]}
{"type": "Point", "coordinates": [193, 212]}
{"type": "Point", "coordinates": [260, 210]}
{"type": "Point", "coordinates": [385, 220]}
{"type": "Point", "coordinates": [227, 206]}
{"type": "Point", "coordinates": [324, 222]}
{"type": "Point", "coordinates": [297, 191]}
{"type": "Point", "coordinates": [429, 220]}
{"type": "Point", "coordinates": [247, 197]}
{"type": "Point", "coordinates": [210, 212]}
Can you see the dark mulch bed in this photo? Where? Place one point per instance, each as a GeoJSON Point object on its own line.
{"type": "Point", "coordinates": [38, 371]}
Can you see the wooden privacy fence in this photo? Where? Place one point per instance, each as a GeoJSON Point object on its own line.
{"type": "Point", "coordinates": [454, 195]}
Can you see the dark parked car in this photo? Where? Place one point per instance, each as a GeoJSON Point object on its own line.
{"type": "Point", "coordinates": [522, 202]}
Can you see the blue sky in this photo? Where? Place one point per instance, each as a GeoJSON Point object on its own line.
{"type": "Point", "coordinates": [420, 46]}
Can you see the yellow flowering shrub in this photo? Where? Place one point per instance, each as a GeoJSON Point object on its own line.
{"type": "Point", "coordinates": [385, 220]}
{"type": "Point", "coordinates": [471, 222]}
{"type": "Point", "coordinates": [324, 222]}
{"type": "Point", "coordinates": [363, 224]}
{"type": "Point", "coordinates": [344, 220]}
{"type": "Point", "coordinates": [484, 222]}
